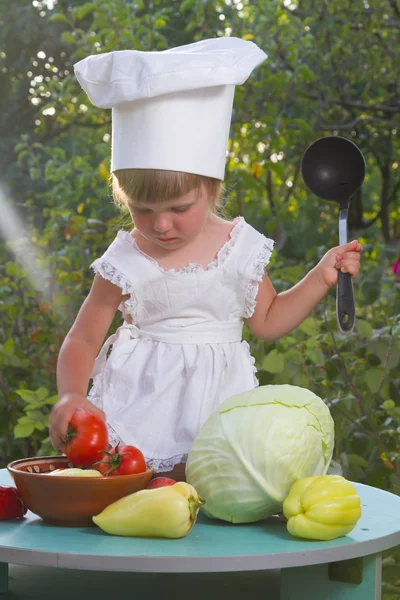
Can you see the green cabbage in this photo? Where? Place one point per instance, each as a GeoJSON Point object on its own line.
{"type": "Point", "coordinates": [255, 446]}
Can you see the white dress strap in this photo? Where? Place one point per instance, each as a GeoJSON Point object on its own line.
{"type": "Point", "coordinates": [256, 251]}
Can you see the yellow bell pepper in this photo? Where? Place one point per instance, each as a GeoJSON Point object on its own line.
{"type": "Point", "coordinates": [168, 512]}
{"type": "Point", "coordinates": [75, 472]}
{"type": "Point", "coordinates": [324, 507]}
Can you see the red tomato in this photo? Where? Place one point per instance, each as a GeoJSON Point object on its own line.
{"type": "Point", "coordinates": [122, 460]}
{"type": "Point", "coordinates": [11, 505]}
{"type": "Point", "coordinates": [160, 482]}
{"type": "Point", "coordinates": [87, 437]}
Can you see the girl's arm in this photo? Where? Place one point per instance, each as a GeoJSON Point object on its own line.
{"type": "Point", "coordinates": [78, 353]}
{"type": "Point", "coordinates": [276, 315]}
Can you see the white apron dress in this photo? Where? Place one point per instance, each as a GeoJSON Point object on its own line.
{"type": "Point", "coordinates": [182, 354]}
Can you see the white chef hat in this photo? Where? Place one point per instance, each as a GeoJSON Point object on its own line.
{"type": "Point", "coordinates": [172, 109]}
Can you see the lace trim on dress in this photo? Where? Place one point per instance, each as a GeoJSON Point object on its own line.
{"type": "Point", "coordinates": [160, 465]}
{"type": "Point", "coordinates": [227, 248]}
{"type": "Point", "coordinates": [222, 255]}
{"type": "Point", "coordinates": [258, 271]}
{"type": "Point", "coordinates": [163, 465]}
{"type": "Point", "coordinates": [111, 273]}
{"type": "Point", "coordinates": [252, 361]}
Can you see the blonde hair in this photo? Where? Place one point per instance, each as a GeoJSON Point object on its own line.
{"type": "Point", "coordinates": [148, 186]}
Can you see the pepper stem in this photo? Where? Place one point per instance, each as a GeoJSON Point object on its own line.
{"type": "Point", "coordinates": [194, 506]}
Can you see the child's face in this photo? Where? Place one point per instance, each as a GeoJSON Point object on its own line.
{"type": "Point", "coordinates": [174, 223]}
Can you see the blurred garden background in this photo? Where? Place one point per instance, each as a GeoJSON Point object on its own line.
{"type": "Point", "coordinates": [332, 69]}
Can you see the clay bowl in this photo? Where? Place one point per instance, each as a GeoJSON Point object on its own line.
{"type": "Point", "coordinates": [69, 501]}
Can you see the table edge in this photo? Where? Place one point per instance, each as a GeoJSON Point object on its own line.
{"type": "Point", "coordinates": [182, 564]}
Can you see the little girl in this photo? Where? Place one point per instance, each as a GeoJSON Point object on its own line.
{"type": "Point", "coordinates": [184, 278]}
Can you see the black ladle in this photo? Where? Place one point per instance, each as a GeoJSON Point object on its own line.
{"type": "Point", "coordinates": [333, 168]}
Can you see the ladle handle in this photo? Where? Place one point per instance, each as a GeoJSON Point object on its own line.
{"type": "Point", "coordinates": [345, 305]}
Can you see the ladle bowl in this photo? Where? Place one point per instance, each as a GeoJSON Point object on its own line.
{"type": "Point", "coordinates": [333, 168]}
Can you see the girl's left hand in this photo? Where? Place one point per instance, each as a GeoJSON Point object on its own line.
{"type": "Point", "coordinates": [345, 258]}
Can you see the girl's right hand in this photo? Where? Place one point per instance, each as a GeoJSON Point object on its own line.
{"type": "Point", "coordinates": [61, 415]}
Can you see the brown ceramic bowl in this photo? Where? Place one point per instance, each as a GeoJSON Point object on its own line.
{"type": "Point", "coordinates": [69, 501]}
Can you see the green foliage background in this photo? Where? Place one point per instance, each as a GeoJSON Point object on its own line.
{"type": "Point", "coordinates": [330, 70]}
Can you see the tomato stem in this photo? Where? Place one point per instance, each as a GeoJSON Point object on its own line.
{"type": "Point", "coordinates": [114, 460]}
{"type": "Point", "coordinates": [71, 433]}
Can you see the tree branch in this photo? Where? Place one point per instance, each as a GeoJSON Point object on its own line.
{"type": "Point", "coordinates": [353, 123]}
{"type": "Point", "coordinates": [270, 189]}
{"type": "Point", "coordinates": [289, 190]}
{"type": "Point", "coordinates": [378, 161]}
{"type": "Point", "coordinates": [352, 104]}
{"type": "Point", "coordinates": [367, 224]}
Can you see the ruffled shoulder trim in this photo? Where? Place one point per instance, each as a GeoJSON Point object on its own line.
{"type": "Point", "coordinates": [112, 274]}
{"type": "Point", "coordinates": [225, 251]}
{"type": "Point", "coordinates": [261, 259]}
{"type": "Point", "coordinates": [109, 272]}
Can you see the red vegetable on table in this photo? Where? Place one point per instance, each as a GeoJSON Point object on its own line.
{"type": "Point", "coordinates": [11, 504]}
{"type": "Point", "coordinates": [122, 460]}
{"type": "Point", "coordinates": [86, 438]}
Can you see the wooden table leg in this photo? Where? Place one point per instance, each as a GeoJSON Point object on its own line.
{"type": "Point", "coordinates": [356, 579]}
{"type": "Point", "coordinates": [3, 577]}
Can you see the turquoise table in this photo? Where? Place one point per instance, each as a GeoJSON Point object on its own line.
{"type": "Point", "coordinates": [216, 553]}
